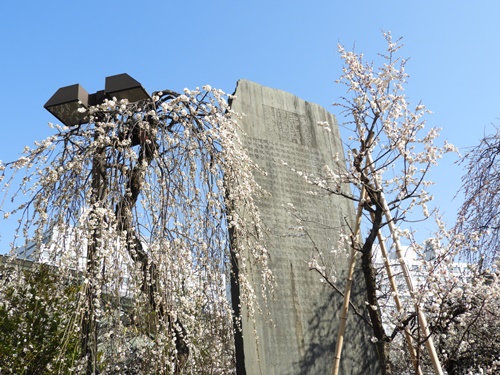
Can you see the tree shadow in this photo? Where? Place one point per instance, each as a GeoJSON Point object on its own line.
{"type": "Point", "coordinates": [358, 355]}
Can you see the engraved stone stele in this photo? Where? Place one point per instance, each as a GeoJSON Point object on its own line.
{"type": "Point", "coordinates": [299, 335]}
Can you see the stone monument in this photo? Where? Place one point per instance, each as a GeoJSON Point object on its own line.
{"type": "Point", "coordinates": [282, 136]}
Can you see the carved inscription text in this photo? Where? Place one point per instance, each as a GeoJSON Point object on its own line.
{"type": "Point", "coordinates": [288, 126]}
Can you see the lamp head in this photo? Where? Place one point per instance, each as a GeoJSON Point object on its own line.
{"type": "Point", "coordinates": [66, 101]}
{"type": "Point", "coordinates": [123, 86]}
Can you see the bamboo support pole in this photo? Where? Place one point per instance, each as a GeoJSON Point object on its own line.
{"type": "Point", "coordinates": [429, 342]}
{"type": "Point", "coordinates": [397, 301]}
{"type": "Point", "coordinates": [348, 286]}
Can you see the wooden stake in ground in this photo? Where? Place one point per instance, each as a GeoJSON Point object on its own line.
{"type": "Point", "coordinates": [348, 286]}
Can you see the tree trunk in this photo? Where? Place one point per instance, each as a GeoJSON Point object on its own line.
{"type": "Point", "coordinates": [370, 276]}
{"type": "Point", "coordinates": [89, 325]}
{"type": "Point", "coordinates": [150, 273]}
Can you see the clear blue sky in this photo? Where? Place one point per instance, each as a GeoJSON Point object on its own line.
{"type": "Point", "coordinates": [285, 44]}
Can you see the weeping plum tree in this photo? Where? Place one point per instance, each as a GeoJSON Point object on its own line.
{"type": "Point", "coordinates": [131, 208]}
{"type": "Point", "coordinates": [479, 217]}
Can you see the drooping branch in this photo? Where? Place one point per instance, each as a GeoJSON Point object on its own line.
{"type": "Point", "coordinates": [150, 276]}
{"type": "Point", "coordinates": [479, 215]}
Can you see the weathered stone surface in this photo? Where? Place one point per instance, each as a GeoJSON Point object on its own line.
{"type": "Point", "coordinates": [300, 339]}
